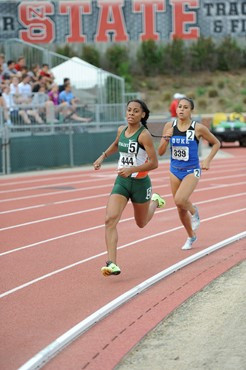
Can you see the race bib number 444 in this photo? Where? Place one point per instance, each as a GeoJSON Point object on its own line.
{"type": "Point", "coordinates": [127, 160]}
{"type": "Point", "coordinates": [181, 153]}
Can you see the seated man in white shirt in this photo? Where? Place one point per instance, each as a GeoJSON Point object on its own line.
{"type": "Point", "coordinates": [25, 88]}
{"type": "Point", "coordinates": [14, 113]}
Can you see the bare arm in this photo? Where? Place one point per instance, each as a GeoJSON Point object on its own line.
{"type": "Point", "coordinates": [203, 131]}
{"type": "Point", "coordinates": [168, 133]}
{"type": "Point", "coordinates": [109, 151]}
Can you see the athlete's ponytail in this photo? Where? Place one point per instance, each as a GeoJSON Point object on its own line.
{"type": "Point", "coordinates": [144, 108]}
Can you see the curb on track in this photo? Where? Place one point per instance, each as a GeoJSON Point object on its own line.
{"type": "Point", "coordinates": [42, 357]}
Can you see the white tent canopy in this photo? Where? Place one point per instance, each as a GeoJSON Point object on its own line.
{"type": "Point", "coordinates": [82, 74]}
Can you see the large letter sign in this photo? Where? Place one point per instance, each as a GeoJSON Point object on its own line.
{"type": "Point", "coordinates": [111, 20]}
{"type": "Point", "coordinates": [33, 15]}
{"type": "Point", "coordinates": [149, 8]}
{"type": "Point", "coordinates": [181, 18]}
{"type": "Point", "coordinates": [74, 10]}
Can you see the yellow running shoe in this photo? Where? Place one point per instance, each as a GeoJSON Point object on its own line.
{"type": "Point", "coordinates": [110, 269]}
{"type": "Point", "coordinates": [160, 200]}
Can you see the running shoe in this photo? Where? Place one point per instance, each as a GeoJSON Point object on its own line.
{"type": "Point", "coordinates": [160, 200]}
{"type": "Point", "coordinates": [110, 269]}
{"type": "Point", "coordinates": [188, 243]}
{"type": "Point", "coordinates": [195, 220]}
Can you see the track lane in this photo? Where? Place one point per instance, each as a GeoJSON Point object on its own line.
{"type": "Point", "coordinates": [45, 297]}
{"type": "Point", "coordinates": [67, 224]}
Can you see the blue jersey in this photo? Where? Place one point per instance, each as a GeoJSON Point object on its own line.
{"type": "Point", "coordinates": [184, 148]}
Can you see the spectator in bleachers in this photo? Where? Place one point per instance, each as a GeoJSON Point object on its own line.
{"type": "Point", "coordinates": [34, 73]}
{"type": "Point", "coordinates": [68, 97]}
{"type": "Point", "coordinates": [36, 85]}
{"type": "Point", "coordinates": [14, 113]}
{"type": "Point", "coordinates": [62, 107]}
{"type": "Point", "coordinates": [45, 72]}
{"type": "Point", "coordinates": [4, 108]}
{"type": "Point", "coordinates": [1, 77]}
{"type": "Point", "coordinates": [3, 64]}
{"type": "Point", "coordinates": [25, 88]}
{"type": "Point", "coordinates": [10, 71]}
{"type": "Point", "coordinates": [24, 71]}
{"type": "Point", "coordinates": [44, 105]}
{"type": "Point", "coordinates": [20, 63]}
{"type": "Point", "coordinates": [65, 81]}
{"type": "Point", "coordinates": [14, 88]}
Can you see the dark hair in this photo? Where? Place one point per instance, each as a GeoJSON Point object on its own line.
{"type": "Point", "coordinates": [192, 105]}
{"type": "Point", "coordinates": [144, 108]}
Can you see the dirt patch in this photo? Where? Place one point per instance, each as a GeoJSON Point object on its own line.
{"type": "Point", "coordinates": [207, 332]}
{"type": "Point", "coordinates": [212, 92]}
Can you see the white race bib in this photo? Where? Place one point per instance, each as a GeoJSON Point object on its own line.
{"type": "Point", "coordinates": [127, 160]}
{"type": "Point", "coordinates": [181, 153]}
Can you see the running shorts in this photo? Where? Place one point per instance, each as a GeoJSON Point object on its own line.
{"type": "Point", "coordinates": [138, 190]}
{"type": "Point", "coordinates": [182, 173]}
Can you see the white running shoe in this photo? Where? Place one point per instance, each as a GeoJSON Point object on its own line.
{"type": "Point", "coordinates": [188, 243]}
{"type": "Point", "coordinates": [195, 220]}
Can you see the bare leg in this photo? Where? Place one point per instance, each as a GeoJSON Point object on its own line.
{"type": "Point", "coordinates": [115, 207]}
{"type": "Point", "coordinates": [182, 191]}
{"type": "Point", "coordinates": [143, 212]}
{"type": "Point", "coordinates": [80, 119]}
{"type": "Point", "coordinates": [23, 114]}
{"type": "Point", "coordinates": [35, 114]}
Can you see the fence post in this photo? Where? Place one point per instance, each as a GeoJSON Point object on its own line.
{"type": "Point", "coordinates": [71, 145]}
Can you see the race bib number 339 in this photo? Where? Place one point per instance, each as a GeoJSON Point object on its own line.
{"type": "Point", "coordinates": [181, 153]}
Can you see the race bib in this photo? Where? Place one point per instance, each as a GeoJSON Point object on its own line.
{"type": "Point", "coordinates": [190, 134]}
{"type": "Point", "coordinates": [127, 160]}
{"type": "Point", "coordinates": [181, 153]}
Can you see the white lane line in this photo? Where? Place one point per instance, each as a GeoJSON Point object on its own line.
{"type": "Point", "coordinates": [102, 225]}
{"type": "Point", "coordinates": [71, 191]}
{"type": "Point", "coordinates": [31, 282]}
{"type": "Point", "coordinates": [92, 173]}
{"type": "Point", "coordinates": [42, 357]}
{"type": "Point", "coordinates": [91, 197]}
{"type": "Point", "coordinates": [97, 178]}
{"type": "Point", "coordinates": [102, 207]}
{"type": "Point", "coordinates": [55, 203]}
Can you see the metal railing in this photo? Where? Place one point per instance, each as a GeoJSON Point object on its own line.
{"type": "Point", "coordinates": [97, 85]}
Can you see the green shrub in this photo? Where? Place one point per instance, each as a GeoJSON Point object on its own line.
{"type": "Point", "coordinates": [175, 57]}
{"type": "Point", "coordinates": [243, 92]}
{"type": "Point", "coordinates": [202, 103]}
{"type": "Point", "coordinates": [200, 91]}
{"type": "Point", "coordinates": [222, 102]}
{"type": "Point", "coordinates": [149, 56]}
{"type": "Point", "coordinates": [91, 55]}
{"type": "Point", "coordinates": [167, 97]}
{"type": "Point", "coordinates": [203, 55]}
{"type": "Point", "coordinates": [213, 93]}
{"type": "Point", "coordinates": [115, 56]}
{"type": "Point", "coordinates": [238, 108]}
{"type": "Point", "coordinates": [66, 50]}
{"type": "Point", "coordinates": [221, 84]}
{"type": "Point", "coordinates": [230, 56]}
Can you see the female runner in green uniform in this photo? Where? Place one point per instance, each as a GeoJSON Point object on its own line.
{"type": "Point", "coordinates": [137, 157]}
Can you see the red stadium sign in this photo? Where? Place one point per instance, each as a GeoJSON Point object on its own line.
{"type": "Point", "coordinates": [106, 21]}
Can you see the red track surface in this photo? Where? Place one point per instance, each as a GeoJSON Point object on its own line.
{"type": "Point", "coordinates": [52, 249]}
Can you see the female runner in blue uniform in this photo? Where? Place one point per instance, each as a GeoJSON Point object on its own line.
{"type": "Point", "coordinates": [184, 135]}
{"type": "Point", "coordinates": [137, 157]}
